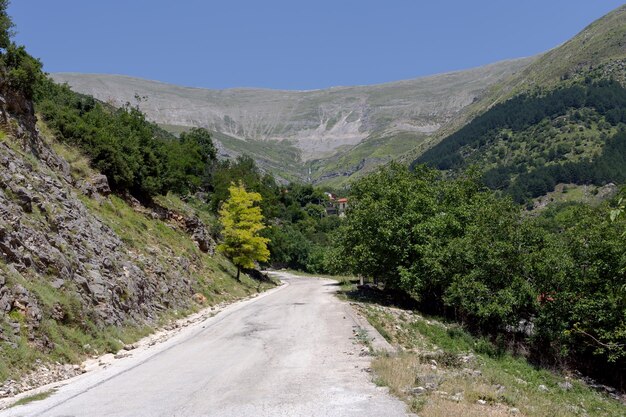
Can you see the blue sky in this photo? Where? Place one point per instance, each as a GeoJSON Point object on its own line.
{"type": "Point", "coordinates": [292, 44]}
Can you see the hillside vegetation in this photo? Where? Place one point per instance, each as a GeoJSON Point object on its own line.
{"type": "Point", "coordinates": [531, 142]}
{"type": "Point", "coordinates": [598, 52]}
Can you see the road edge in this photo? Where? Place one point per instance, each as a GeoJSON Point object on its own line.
{"type": "Point", "coordinates": [150, 344]}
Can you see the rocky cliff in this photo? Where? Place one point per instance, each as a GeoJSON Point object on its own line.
{"type": "Point", "coordinates": [79, 268]}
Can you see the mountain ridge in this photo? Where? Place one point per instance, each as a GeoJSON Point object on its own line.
{"type": "Point", "coordinates": [320, 123]}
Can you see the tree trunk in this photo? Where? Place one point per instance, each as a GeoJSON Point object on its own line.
{"type": "Point", "coordinates": [238, 271]}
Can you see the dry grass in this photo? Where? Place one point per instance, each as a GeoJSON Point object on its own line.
{"type": "Point", "coordinates": [444, 371]}
{"type": "Point", "coordinates": [401, 374]}
{"type": "Point", "coordinates": [397, 372]}
{"type": "Point", "coordinates": [440, 407]}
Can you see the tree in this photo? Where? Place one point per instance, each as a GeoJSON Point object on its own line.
{"type": "Point", "coordinates": [614, 215]}
{"type": "Point", "coordinates": [242, 222]}
{"type": "Point", "coordinates": [378, 236]}
{"type": "Point", "coordinates": [202, 138]}
{"type": "Point", "coordinates": [6, 25]}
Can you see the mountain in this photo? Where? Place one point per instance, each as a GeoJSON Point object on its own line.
{"type": "Point", "coordinates": [330, 136]}
{"type": "Point", "coordinates": [559, 120]}
{"type": "Point", "coordinates": [595, 47]}
{"type": "Point", "coordinates": [321, 134]}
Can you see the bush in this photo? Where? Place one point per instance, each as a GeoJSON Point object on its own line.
{"type": "Point", "coordinates": [555, 282]}
{"type": "Point", "coordinates": [135, 154]}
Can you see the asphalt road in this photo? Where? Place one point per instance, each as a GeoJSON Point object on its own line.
{"type": "Point", "coordinates": [290, 352]}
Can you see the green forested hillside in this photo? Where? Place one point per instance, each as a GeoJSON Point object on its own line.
{"type": "Point", "coordinates": [533, 141]}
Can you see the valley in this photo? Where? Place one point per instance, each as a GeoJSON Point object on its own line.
{"type": "Point", "coordinates": [447, 245]}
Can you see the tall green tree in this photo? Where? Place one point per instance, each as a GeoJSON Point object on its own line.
{"type": "Point", "coordinates": [242, 221]}
{"type": "Point", "coordinates": [6, 25]}
{"type": "Point", "coordinates": [17, 67]}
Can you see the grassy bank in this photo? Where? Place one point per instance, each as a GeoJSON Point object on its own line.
{"type": "Point", "coordinates": [442, 370]}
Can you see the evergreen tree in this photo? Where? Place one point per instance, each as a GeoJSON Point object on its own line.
{"type": "Point", "coordinates": [242, 222]}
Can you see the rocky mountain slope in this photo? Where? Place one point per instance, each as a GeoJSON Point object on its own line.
{"type": "Point", "coordinates": [82, 271]}
{"type": "Point", "coordinates": [320, 127]}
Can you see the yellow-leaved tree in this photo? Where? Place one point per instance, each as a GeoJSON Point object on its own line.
{"type": "Point", "coordinates": [242, 221]}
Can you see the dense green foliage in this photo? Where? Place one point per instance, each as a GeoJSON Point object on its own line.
{"type": "Point", "coordinates": [534, 141]}
{"type": "Point", "coordinates": [299, 229]}
{"type": "Point", "coordinates": [6, 25]}
{"type": "Point", "coordinates": [21, 70]}
{"type": "Point", "coordinates": [554, 282]}
{"type": "Point", "coordinates": [609, 166]}
{"type": "Point", "coordinates": [132, 152]}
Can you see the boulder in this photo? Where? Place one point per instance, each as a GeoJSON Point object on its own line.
{"type": "Point", "coordinates": [6, 300]}
{"type": "Point", "coordinates": [25, 199]}
{"type": "Point", "coordinates": [199, 298]}
{"type": "Point", "coordinates": [200, 234]}
{"type": "Point", "coordinates": [101, 184]}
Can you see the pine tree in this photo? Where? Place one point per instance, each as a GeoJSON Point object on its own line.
{"type": "Point", "coordinates": [242, 221]}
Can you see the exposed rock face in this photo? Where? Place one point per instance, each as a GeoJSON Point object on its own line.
{"type": "Point", "coordinates": [97, 186]}
{"type": "Point", "coordinates": [195, 228]}
{"type": "Point", "coordinates": [66, 243]}
{"type": "Point", "coordinates": [49, 236]}
{"type": "Point", "coordinates": [200, 234]}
